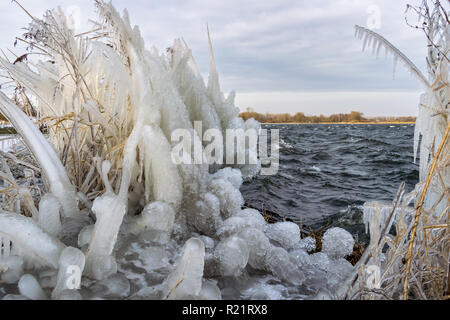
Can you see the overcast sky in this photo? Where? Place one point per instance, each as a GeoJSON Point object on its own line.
{"type": "Point", "coordinates": [279, 56]}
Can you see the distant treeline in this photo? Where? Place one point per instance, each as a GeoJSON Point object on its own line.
{"type": "Point", "coordinates": [354, 116]}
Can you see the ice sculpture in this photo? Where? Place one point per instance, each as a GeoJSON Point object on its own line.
{"type": "Point", "coordinates": [186, 278]}
{"type": "Point", "coordinates": [146, 225]}
{"type": "Point", "coordinates": [337, 243]}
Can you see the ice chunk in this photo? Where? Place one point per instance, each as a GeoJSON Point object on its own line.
{"type": "Point", "coordinates": [308, 244]}
{"type": "Point", "coordinates": [157, 215]}
{"type": "Point", "coordinates": [12, 267]}
{"type": "Point", "coordinates": [85, 235]}
{"type": "Point", "coordinates": [206, 216]}
{"type": "Point", "coordinates": [302, 257]}
{"type": "Point", "coordinates": [237, 223]}
{"type": "Point", "coordinates": [258, 245]}
{"type": "Point", "coordinates": [49, 215]}
{"type": "Point", "coordinates": [232, 175]}
{"type": "Point", "coordinates": [30, 288]}
{"type": "Point", "coordinates": [337, 243]}
{"type": "Point", "coordinates": [338, 271]}
{"type": "Point", "coordinates": [230, 198]}
{"type": "Point", "coordinates": [256, 217]}
{"type": "Point", "coordinates": [29, 241]}
{"type": "Point", "coordinates": [286, 234]}
{"type": "Point", "coordinates": [282, 266]}
{"type": "Point", "coordinates": [320, 260]}
{"type": "Point", "coordinates": [71, 266]}
{"type": "Point", "coordinates": [341, 267]}
{"type": "Point", "coordinates": [186, 278]}
{"type": "Point", "coordinates": [232, 256]}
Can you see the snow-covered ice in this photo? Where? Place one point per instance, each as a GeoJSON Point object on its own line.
{"type": "Point", "coordinates": [286, 234]}
{"type": "Point", "coordinates": [337, 243]}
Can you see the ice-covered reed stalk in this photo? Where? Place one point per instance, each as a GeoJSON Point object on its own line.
{"type": "Point", "coordinates": [26, 239]}
{"type": "Point", "coordinates": [416, 261]}
{"type": "Point", "coordinates": [55, 173]}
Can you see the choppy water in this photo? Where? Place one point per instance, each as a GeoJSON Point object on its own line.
{"type": "Point", "coordinates": [327, 172]}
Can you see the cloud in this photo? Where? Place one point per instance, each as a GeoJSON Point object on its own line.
{"type": "Point", "coordinates": [266, 46]}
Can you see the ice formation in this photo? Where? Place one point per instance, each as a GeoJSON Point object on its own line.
{"type": "Point", "coordinates": [408, 263]}
{"type": "Point", "coordinates": [286, 234]}
{"type": "Point", "coordinates": [337, 243]}
{"type": "Point", "coordinates": [186, 278]}
{"type": "Point", "coordinates": [22, 237]}
{"type": "Point", "coordinates": [30, 288]}
{"type": "Point", "coordinates": [71, 266]}
{"type": "Point", "coordinates": [115, 206]}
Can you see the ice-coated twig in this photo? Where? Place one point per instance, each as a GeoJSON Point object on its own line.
{"type": "Point", "coordinates": [55, 173]}
{"type": "Point", "coordinates": [30, 241]}
{"type": "Point", "coordinates": [378, 41]}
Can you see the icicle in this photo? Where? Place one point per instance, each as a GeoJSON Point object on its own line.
{"type": "Point", "coordinates": [109, 210]}
{"type": "Point", "coordinates": [33, 244]}
{"type": "Point", "coordinates": [161, 174]}
{"type": "Point", "coordinates": [213, 81]}
{"type": "Point", "coordinates": [395, 66]}
{"type": "Point", "coordinates": [397, 54]}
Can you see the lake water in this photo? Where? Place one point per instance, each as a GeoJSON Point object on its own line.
{"type": "Point", "coordinates": [327, 172]}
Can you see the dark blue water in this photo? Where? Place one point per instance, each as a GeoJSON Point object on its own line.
{"type": "Point", "coordinates": [327, 172]}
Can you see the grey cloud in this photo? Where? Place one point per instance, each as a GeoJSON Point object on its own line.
{"type": "Point", "coordinates": [263, 45]}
